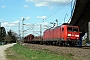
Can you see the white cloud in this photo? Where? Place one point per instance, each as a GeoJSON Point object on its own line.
{"type": "Point", "coordinates": [3, 6]}
{"type": "Point", "coordinates": [27, 0]}
{"type": "Point", "coordinates": [10, 24]}
{"type": "Point", "coordinates": [25, 6]}
{"type": "Point", "coordinates": [41, 17]}
{"type": "Point", "coordinates": [40, 3]}
{"type": "Point", "coordinates": [6, 24]}
{"type": "Point", "coordinates": [17, 21]}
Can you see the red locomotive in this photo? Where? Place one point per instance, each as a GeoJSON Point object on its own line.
{"type": "Point", "coordinates": [64, 34]}
{"type": "Point", "coordinates": [60, 35]}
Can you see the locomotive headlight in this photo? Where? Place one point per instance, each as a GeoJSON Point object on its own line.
{"type": "Point", "coordinates": [76, 35]}
{"type": "Point", "coordinates": [69, 34]}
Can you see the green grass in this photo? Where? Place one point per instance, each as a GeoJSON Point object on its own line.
{"type": "Point", "coordinates": [29, 54]}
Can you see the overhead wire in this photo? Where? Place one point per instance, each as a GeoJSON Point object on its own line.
{"type": "Point", "coordinates": [57, 10]}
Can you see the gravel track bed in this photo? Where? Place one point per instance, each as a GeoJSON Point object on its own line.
{"type": "Point", "coordinates": [76, 53]}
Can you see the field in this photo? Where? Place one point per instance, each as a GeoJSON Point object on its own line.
{"type": "Point", "coordinates": [18, 52]}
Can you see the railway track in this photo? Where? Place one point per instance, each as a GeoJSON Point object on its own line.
{"type": "Point", "coordinates": [86, 47]}
{"type": "Point", "coordinates": [82, 47]}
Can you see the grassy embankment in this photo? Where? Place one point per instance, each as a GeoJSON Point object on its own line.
{"type": "Point", "coordinates": [18, 52]}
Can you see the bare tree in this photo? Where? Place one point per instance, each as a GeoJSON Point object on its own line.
{"type": "Point", "coordinates": [11, 36]}
{"type": "Point", "coordinates": [7, 39]}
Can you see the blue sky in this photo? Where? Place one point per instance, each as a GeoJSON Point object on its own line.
{"type": "Point", "coordinates": [35, 12]}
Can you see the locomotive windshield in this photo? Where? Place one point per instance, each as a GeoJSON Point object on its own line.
{"type": "Point", "coordinates": [73, 29]}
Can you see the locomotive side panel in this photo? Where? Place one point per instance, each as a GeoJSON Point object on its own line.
{"type": "Point", "coordinates": [47, 35]}
{"type": "Point", "coordinates": [44, 35]}
{"type": "Point", "coordinates": [51, 34]}
{"type": "Point", "coordinates": [57, 35]}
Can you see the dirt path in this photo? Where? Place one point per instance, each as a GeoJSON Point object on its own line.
{"type": "Point", "coordinates": [2, 48]}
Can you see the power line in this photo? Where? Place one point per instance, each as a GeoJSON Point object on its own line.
{"type": "Point", "coordinates": [57, 10]}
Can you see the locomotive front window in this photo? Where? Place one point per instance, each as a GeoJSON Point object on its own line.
{"type": "Point", "coordinates": [69, 29]}
{"type": "Point", "coordinates": [73, 29]}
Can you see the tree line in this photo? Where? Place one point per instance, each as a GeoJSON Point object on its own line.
{"type": "Point", "coordinates": [7, 37]}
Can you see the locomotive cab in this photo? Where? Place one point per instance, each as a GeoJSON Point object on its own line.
{"type": "Point", "coordinates": [70, 34]}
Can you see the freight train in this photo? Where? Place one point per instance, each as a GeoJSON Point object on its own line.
{"type": "Point", "coordinates": [60, 35]}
